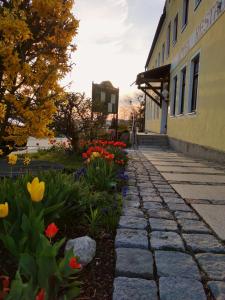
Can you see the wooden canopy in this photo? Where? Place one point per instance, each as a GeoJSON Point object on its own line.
{"type": "Point", "coordinates": [153, 80]}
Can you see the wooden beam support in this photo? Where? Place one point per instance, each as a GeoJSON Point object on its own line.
{"type": "Point", "coordinates": [150, 96]}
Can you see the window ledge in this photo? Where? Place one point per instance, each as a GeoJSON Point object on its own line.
{"type": "Point", "coordinates": [193, 113]}
{"type": "Point", "coordinates": [183, 27]}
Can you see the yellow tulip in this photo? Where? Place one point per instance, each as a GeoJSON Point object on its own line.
{"type": "Point", "coordinates": [95, 155]}
{"type": "Point", "coordinates": [4, 210]}
{"type": "Point", "coordinates": [36, 189]}
{"type": "Point", "coordinates": [12, 159]}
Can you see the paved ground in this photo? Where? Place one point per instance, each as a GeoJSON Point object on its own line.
{"type": "Point", "coordinates": [170, 240]}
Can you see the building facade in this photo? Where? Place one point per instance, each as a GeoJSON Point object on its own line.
{"type": "Point", "coordinates": [190, 40]}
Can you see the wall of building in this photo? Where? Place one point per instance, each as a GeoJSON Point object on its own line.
{"type": "Point", "coordinates": [206, 126]}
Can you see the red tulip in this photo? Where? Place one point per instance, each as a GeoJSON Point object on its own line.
{"type": "Point", "coordinates": [40, 295]}
{"type": "Point", "coordinates": [51, 230]}
{"type": "Point", "coordinates": [74, 264]}
{"type": "Point", "coordinates": [84, 155]}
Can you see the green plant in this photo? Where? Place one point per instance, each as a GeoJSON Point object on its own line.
{"type": "Point", "coordinates": [42, 271]}
{"type": "Point", "coordinates": [111, 212]}
{"type": "Point", "coordinates": [93, 219]}
{"type": "Point", "coordinates": [100, 174]}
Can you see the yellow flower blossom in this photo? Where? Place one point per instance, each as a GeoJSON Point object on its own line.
{"type": "Point", "coordinates": [95, 155]}
{"type": "Point", "coordinates": [26, 160]}
{"type": "Point", "coordinates": [4, 210]}
{"type": "Point", "coordinates": [36, 189]}
{"type": "Point", "coordinates": [12, 159]}
{"type": "Point", "coordinates": [1, 152]}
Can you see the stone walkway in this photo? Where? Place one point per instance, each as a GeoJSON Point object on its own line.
{"type": "Point", "coordinates": [168, 246]}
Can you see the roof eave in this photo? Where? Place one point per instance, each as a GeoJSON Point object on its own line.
{"type": "Point", "coordinates": [158, 30]}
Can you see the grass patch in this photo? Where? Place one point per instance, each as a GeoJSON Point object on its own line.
{"type": "Point", "coordinates": [69, 160]}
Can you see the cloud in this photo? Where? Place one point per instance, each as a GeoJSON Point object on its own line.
{"type": "Point", "coordinates": [113, 41]}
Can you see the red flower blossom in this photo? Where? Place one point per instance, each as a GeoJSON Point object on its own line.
{"type": "Point", "coordinates": [84, 155]}
{"type": "Point", "coordinates": [74, 264]}
{"type": "Point", "coordinates": [51, 230]}
{"type": "Point", "coordinates": [40, 295]}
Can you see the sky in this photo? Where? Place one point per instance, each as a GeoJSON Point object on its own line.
{"type": "Point", "coordinates": [113, 42]}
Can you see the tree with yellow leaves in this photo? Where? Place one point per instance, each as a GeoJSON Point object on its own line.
{"type": "Point", "coordinates": [36, 41]}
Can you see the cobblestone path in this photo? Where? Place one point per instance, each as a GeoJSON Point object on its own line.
{"type": "Point", "coordinates": [164, 248]}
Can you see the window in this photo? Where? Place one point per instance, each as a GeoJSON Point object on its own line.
{"type": "Point", "coordinates": [182, 90]}
{"type": "Point", "coordinates": [197, 2]}
{"type": "Point", "coordinates": [185, 13]}
{"type": "Point", "coordinates": [173, 108]}
{"type": "Point", "coordinates": [168, 39]}
{"type": "Point", "coordinates": [159, 59]}
{"type": "Point", "coordinates": [194, 83]}
{"type": "Point", "coordinates": [163, 53]}
{"type": "Point", "coordinates": [175, 27]}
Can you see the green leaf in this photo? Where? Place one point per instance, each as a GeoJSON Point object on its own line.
{"type": "Point", "coordinates": [27, 265]}
{"type": "Point", "coordinates": [72, 293]}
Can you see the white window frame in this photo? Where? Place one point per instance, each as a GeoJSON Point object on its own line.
{"type": "Point", "coordinates": [174, 97]}
{"type": "Point", "coordinates": [191, 77]}
{"type": "Point", "coordinates": [163, 53]}
{"type": "Point", "coordinates": [181, 89]}
{"type": "Point", "coordinates": [185, 14]}
{"type": "Point", "coordinates": [168, 40]}
{"type": "Point", "coordinates": [175, 29]}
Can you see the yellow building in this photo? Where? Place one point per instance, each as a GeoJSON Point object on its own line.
{"type": "Point", "coordinates": [185, 77]}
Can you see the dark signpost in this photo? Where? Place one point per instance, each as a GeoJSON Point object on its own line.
{"type": "Point", "coordinates": [105, 99]}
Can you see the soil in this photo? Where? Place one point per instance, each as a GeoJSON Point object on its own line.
{"type": "Point", "coordinates": [98, 276]}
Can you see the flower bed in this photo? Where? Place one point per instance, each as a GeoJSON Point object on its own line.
{"type": "Point", "coordinates": [37, 213]}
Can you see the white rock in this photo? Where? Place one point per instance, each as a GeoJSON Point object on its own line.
{"type": "Point", "coordinates": [84, 247]}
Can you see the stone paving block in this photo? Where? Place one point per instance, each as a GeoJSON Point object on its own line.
{"type": "Point", "coordinates": [129, 203]}
{"type": "Point", "coordinates": [173, 288]}
{"type": "Point", "coordinates": [193, 226]}
{"type": "Point", "coordinates": [213, 265]}
{"type": "Point", "coordinates": [131, 238]}
{"type": "Point", "coordinates": [132, 189]}
{"type": "Point", "coordinates": [133, 198]}
{"type": "Point", "coordinates": [160, 213]}
{"type": "Point", "coordinates": [217, 289]}
{"type": "Point", "coordinates": [132, 222]}
{"type": "Point", "coordinates": [145, 184]}
{"type": "Point", "coordinates": [161, 240]}
{"type": "Point", "coordinates": [203, 243]}
{"type": "Point", "coordinates": [214, 216]}
{"type": "Point", "coordinates": [137, 263]}
{"type": "Point", "coordinates": [165, 188]}
{"type": "Point", "coordinates": [163, 224]}
{"type": "Point", "coordinates": [171, 194]}
{"type": "Point", "coordinates": [134, 289]}
{"type": "Point", "coordinates": [148, 192]}
{"type": "Point", "coordinates": [179, 207]}
{"type": "Point", "coordinates": [186, 215]}
{"type": "Point", "coordinates": [135, 212]}
{"type": "Point", "coordinates": [151, 198]}
{"type": "Point", "coordinates": [152, 205]}
{"type": "Point", "coordinates": [174, 200]}
{"type": "Point", "coordinates": [132, 193]}
{"type": "Point", "coordinates": [176, 264]}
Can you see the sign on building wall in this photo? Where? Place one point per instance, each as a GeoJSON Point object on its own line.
{"type": "Point", "coordinates": [105, 98]}
{"type": "Point", "coordinates": [209, 19]}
